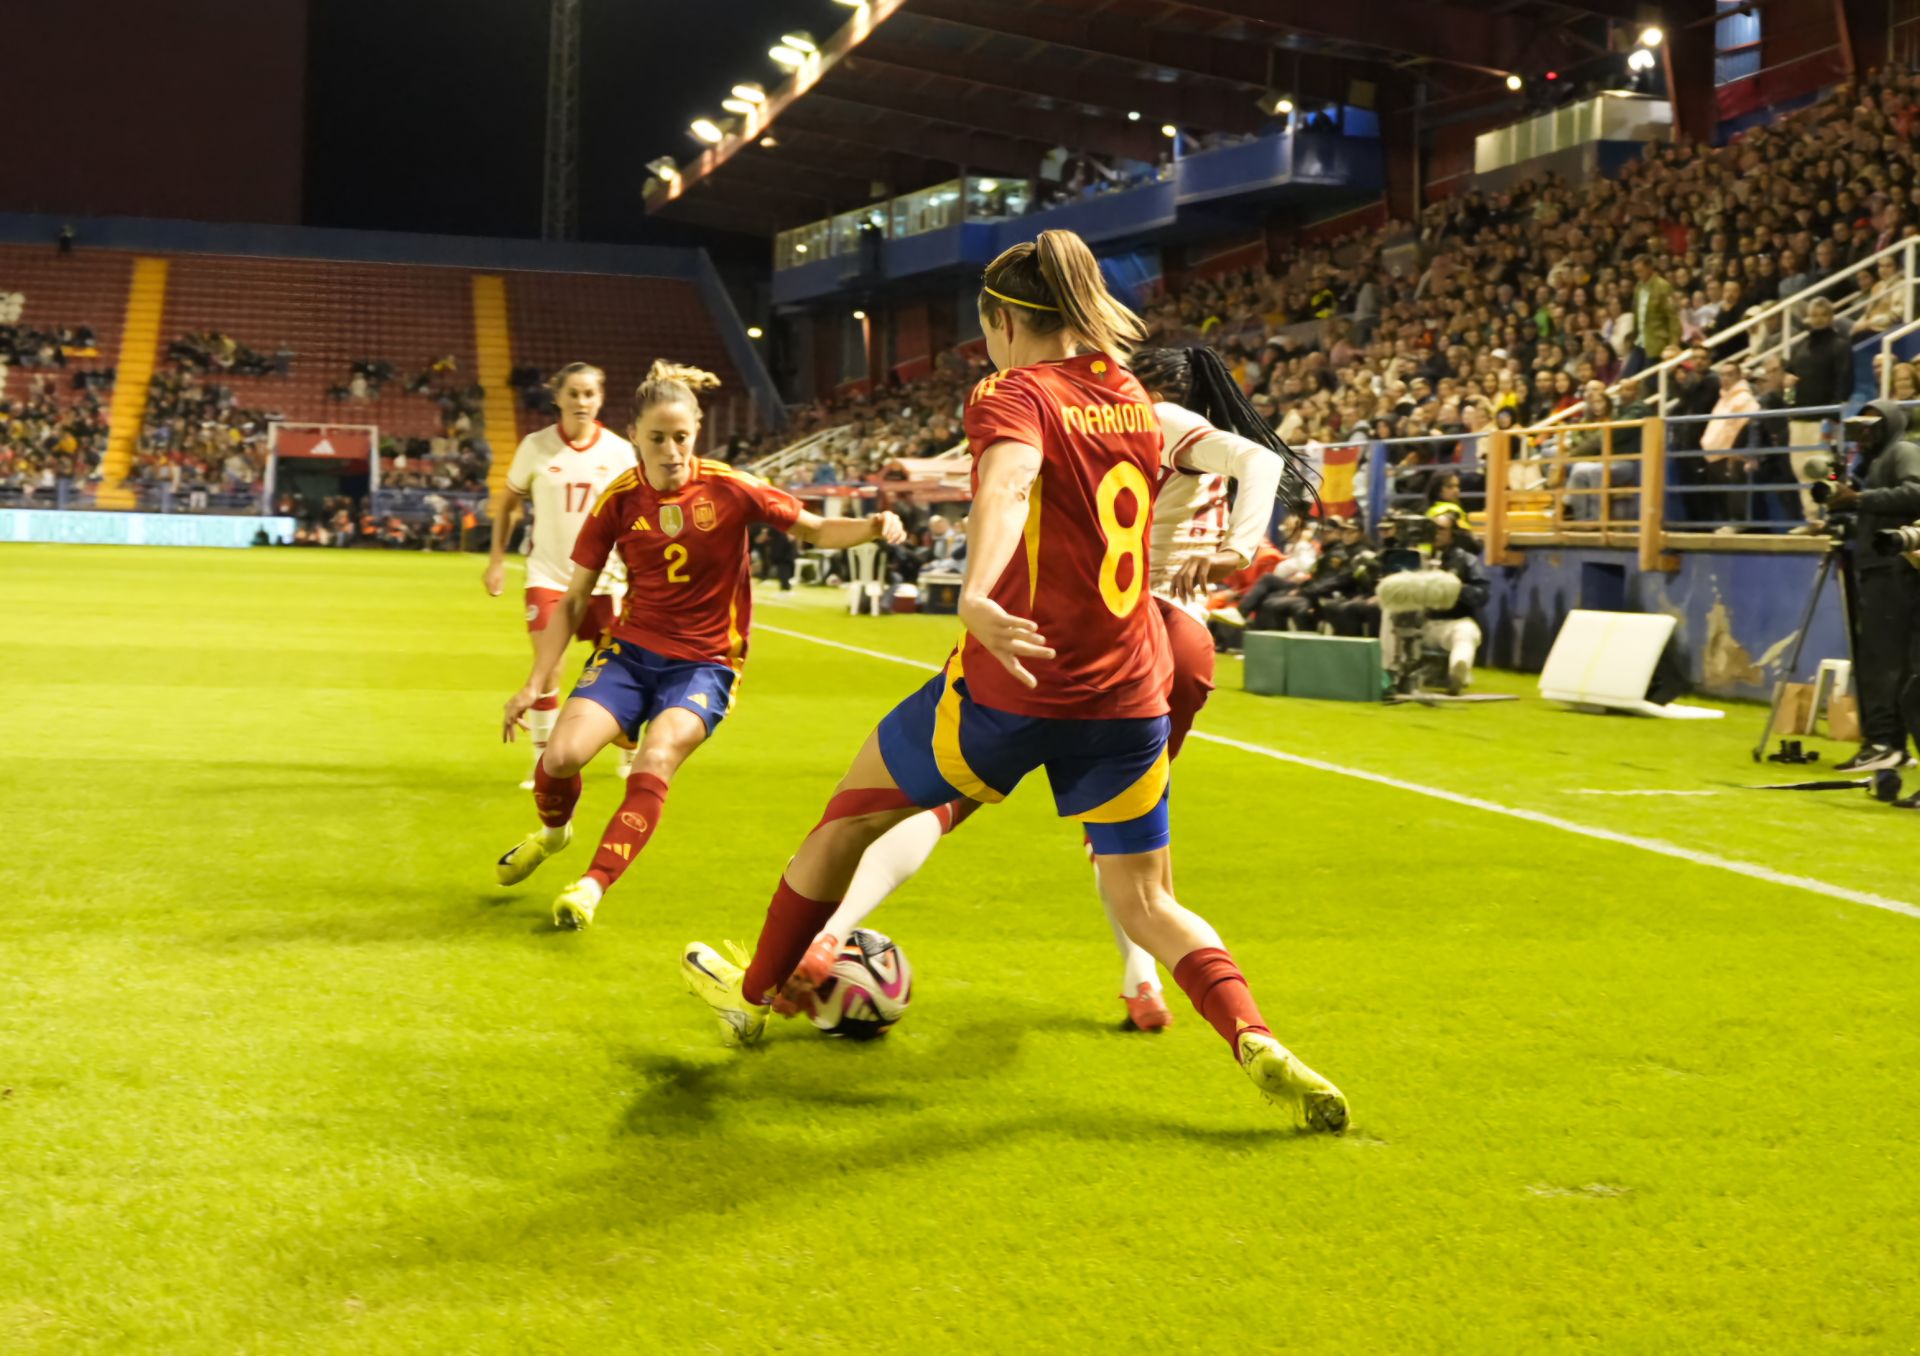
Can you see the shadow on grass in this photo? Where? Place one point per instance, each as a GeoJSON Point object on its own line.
{"type": "Point", "coordinates": [348, 916]}
{"type": "Point", "coordinates": [792, 1127]}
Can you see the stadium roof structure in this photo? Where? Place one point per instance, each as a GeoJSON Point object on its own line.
{"type": "Point", "coordinates": [910, 92]}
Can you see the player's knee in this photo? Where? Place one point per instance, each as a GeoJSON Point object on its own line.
{"type": "Point", "coordinates": [854, 834]}
{"type": "Point", "coordinates": [560, 761]}
{"type": "Point", "coordinates": [661, 763]}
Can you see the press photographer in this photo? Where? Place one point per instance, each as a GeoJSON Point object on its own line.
{"type": "Point", "coordinates": [1886, 640]}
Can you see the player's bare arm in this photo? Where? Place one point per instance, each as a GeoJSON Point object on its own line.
{"type": "Point", "coordinates": [550, 648]}
{"type": "Point", "coordinates": [836, 534]}
{"type": "Point", "coordinates": [506, 510]}
{"type": "Point", "coordinates": [1007, 471]}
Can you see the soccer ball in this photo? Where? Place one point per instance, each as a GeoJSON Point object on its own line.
{"type": "Point", "coordinates": [867, 990]}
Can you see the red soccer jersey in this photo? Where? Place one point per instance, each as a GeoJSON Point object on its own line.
{"type": "Point", "coordinates": [1081, 573]}
{"type": "Point", "coordinates": [689, 571]}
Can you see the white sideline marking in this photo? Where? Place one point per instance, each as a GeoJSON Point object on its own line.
{"type": "Point", "coordinates": [1589, 791]}
{"type": "Point", "coordinates": [1657, 846]}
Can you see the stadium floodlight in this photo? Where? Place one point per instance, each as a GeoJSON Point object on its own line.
{"type": "Point", "coordinates": [663, 168]}
{"type": "Point", "coordinates": [1167, 129]}
{"type": "Point", "coordinates": [859, 315]}
{"type": "Point", "coordinates": [740, 106]}
{"type": "Point", "coordinates": [755, 332]}
{"type": "Point", "coordinates": [988, 185]}
{"type": "Point", "coordinates": [852, 4]}
{"type": "Point", "coordinates": [789, 57]}
{"type": "Point", "coordinates": [1515, 83]}
{"type": "Point", "coordinates": [799, 249]}
{"type": "Point", "coordinates": [800, 42]}
{"type": "Point", "coordinates": [769, 141]}
{"type": "Point", "coordinates": [752, 91]}
{"type": "Point", "coordinates": [1641, 60]}
{"type": "Point", "coordinates": [708, 131]}
{"type": "Point", "coordinates": [1275, 104]}
{"type": "Point", "coordinates": [1133, 115]}
{"type": "Point", "coordinates": [1652, 36]}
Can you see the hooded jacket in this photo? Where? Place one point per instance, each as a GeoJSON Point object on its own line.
{"type": "Point", "coordinates": [1890, 492]}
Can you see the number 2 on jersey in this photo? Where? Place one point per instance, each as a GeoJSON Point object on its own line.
{"type": "Point", "coordinates": [1125, 541]}
{"type": "Point", "coordinates": [586, 495]}
{"type": "Point", "coordinates": [676, 556]}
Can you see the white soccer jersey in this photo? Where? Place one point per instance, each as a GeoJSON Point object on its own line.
{"type": "Point", "coordinates": [563, 482]}
{"type": "Point", "coordinates": [1189, 512]}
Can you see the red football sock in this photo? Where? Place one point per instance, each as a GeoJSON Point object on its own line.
{"type": "Point", "coordinates": [1219, 993]}
{"type": "Point", "coordinates": [554, 797]}
{"type": "Point", "coordinates": [793, 921]}
{"type": "Point", "coordinates": [630, 828]}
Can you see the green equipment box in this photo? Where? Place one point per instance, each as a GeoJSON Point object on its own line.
{"type": "Point", "coordinates": [1306, 664]}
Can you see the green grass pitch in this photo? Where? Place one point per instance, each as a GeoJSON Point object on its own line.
{"type": "Point", "coordinates": [282, 1071]}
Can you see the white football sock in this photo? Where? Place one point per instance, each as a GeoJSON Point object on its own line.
{"type": "Point", "coordinates": [890, 863]}
{"type": "Point", "coordinates": [554, 835]}
{"type": "Point", "coordinates": [540, 725]}
{"type": "Point", "coordinates": [1137, 964]}
{"type": "Point", "coordinates": [593, 889]}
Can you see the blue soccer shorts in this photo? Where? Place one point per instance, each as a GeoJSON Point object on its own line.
{"type": "Point", "coordinates": [1111, 775]}
{"type": "Point", "coordinates": [635, 685]}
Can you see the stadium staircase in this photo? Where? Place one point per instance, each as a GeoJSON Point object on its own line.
{"type": "Point", "coordinates": [139, 346]}
{"type": "Point", "coordinates": [493, 350]}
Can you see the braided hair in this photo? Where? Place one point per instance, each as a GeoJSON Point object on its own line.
{"type": "Point", "coordinates": [1197, 379]}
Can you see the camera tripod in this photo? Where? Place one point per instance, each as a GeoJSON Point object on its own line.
{"type": "Point", "coordinates": [1834, 560]}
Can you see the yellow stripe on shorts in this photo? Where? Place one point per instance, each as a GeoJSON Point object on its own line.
{"type": "Point", "coordinates": [1135, 801]}
{"type": "Point", "coordinates": [946, 742]}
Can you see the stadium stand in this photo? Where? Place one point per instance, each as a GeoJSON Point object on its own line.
{"type": "Point", "coordinates": [217, 347]}
{"type": "Point", "coordinates": [60, 320]}
{"type": "Point", "coordinates": [563, 318]}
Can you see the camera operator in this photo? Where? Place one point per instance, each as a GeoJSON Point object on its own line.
{"type": "Point", "coordinates": [1886, 639]}
{"type": "Point", "coordinates": [1455, 629]}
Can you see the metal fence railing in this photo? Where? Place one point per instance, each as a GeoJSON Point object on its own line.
{"type": "Point", "coordinates": [1650, 485]}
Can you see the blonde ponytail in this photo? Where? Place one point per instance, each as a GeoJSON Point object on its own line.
{"type": "Point", "coordinates": [672, 383]}
{"type": "Point", "coordinates": [1054, 283]}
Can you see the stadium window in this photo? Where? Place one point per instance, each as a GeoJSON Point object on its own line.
{"type": "Point", "coordinates": [1736, 42]}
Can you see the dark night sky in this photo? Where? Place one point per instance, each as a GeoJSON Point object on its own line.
{"type": "Point", "coordinates": [429, 115]}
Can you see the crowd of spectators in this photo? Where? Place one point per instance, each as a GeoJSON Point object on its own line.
{"type": "Point", "coordinates": [1499, 309]}
{"type": "Point", "coordinates": [199, 439]}
{"type": "Point", "coordinates": [46, 439]}
{"type": "Point", "coordinates": [918, 419]}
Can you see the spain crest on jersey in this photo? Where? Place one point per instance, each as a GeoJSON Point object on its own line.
{"type": "Point", "coordinates": [705, 515]}
{"type": "Point", "coordinates": [670, 519]}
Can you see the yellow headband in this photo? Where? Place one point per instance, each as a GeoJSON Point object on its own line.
{"type": "Point", "coordinates": [1015, 301]}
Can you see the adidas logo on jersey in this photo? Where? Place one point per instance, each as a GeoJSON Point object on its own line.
{"type": "Point", "coordinates": [641, 524]}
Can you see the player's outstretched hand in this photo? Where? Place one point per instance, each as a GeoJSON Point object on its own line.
{"type": "Point", "coordinates": [1006, 637]}
{"type": "Point", "coordinates": [1193, 576]}
{"type": "Point", "coordinates": [514, 717]}
{"type": "Point", "coordinates": [495, 577]}
{"type": "Point", "coordinates": [886, 526]}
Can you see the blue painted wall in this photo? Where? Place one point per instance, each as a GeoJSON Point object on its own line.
{"type": "Point", "coordinates": [1305, 161]}
{"type": "Point", "coordinates": [1736, 612]}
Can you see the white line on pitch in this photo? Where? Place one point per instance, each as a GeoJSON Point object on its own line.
{"type": "Point", "coordinates": [1657, 846]}
{"type": "Point", "coordinates": [1589, 791]}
